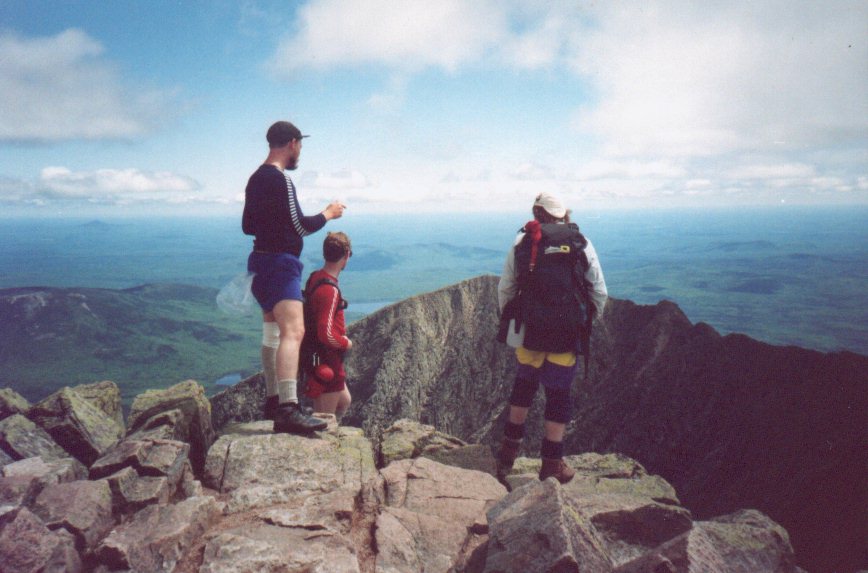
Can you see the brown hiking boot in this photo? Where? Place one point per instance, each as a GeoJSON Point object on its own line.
{"type": "Point", "coordinates": [506, 456]}
{"type": "Point", "coordinates": [557, 469]}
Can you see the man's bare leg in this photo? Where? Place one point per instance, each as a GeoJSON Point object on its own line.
{"type": "Point", "coordinates": [289, 418]}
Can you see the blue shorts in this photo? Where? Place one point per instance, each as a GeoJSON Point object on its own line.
{"type": "Point", "coordinates": [550, 375]}
{"type": "Point", "coordinates": [276, 277]}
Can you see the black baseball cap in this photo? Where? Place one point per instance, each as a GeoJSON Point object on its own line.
{"type": "Point", "coordinates": [281, 133]}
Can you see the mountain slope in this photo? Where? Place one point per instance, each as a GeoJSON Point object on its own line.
{"type": "Point", "coordinates": [731, 422]}
{"type": "Point", "coordinates": [151, 336]}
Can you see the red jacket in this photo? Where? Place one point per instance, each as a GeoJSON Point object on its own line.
{"type": "Point", "coordinates": [326, 303]}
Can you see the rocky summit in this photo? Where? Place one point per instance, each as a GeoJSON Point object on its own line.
{"type": "Point", "coordinates": [694, 452]}
{"type": "Point", "coordinates": [333, 502]}
{"type": "Point", "coordinates": [731, 422]}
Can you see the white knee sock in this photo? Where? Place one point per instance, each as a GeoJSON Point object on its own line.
{"type": "Point", "coordinates": [270, 342]}
{"type": "Point", "coordinates": [286, 389]}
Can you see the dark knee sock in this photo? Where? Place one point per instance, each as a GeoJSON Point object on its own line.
{"type": "Point", "coordinates": [551, 450]}
{"type": "Point", "coordinates": [514, 431]}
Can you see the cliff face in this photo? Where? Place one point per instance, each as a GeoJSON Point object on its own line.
{"type": "Point", "coordinates": [731, 422]}
{"type": "Point", "coordinates": [432, 358]}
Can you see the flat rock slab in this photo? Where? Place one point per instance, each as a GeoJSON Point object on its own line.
{"type": "Point", "coordinates": [51, 471]}
{"type": "Point", "coordinates": [157, 536]}
{"type": "Point", "coordinates": [276, 548]}
{"type": "Point", "coordinates": [432, 512]}
{"type": "Point", "coordinates": [21, 438]}
{"type": "Point", "coordinates": [260, 468]}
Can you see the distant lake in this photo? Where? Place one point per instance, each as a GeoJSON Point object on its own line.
{"type": "Point", "coordinates": [229, 379]}
{"type": "Point", "coordinates": [785, 275]}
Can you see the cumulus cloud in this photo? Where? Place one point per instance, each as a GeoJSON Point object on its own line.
{"type": "Point", "coordinates": [678, 97]}
{"type": "Point", "coordinates": [681, 79]}
{"type": "Point", "coordinates": [407, 34]}
{"type": "Point", "coordinates": [416, 34]}
{"type": "Point", "coordinates": [63, 87]}
{"type": "Point", "coordinates": [102, 186]}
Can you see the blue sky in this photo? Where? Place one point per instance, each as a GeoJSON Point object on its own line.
{"type": "Point", "coordinates": [129, 108]}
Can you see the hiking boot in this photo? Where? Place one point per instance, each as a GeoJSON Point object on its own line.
{"type": "Point", "coordinates": [270, 408]}
{"type": "Point", "coordinates": [290, 419]}
{"type": "Point", "coordinates": [506, 456]}
{"type": "Point", "coordinates": [557, 469]}
{"type": "Point", "coordinates": [271, 405]}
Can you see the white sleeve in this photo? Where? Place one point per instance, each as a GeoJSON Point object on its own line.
{"type": "Point", "coordinates": [594, 275]}
{"type": "Point", "coordinates": [507, 288]}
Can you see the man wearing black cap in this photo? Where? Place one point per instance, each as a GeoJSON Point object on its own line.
{"type": "Point", "coordinates": [273, 215]}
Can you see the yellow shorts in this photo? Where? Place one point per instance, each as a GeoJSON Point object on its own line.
{"type": "Point", "coordinates": [536, 358]}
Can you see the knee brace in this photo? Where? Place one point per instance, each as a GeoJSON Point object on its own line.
{"type": "Point", "coordinates": [523, 391]}
{"type": "Point", "coordinates": [270, 334]}
{"type": "Point", "coordinates": [558, 405]}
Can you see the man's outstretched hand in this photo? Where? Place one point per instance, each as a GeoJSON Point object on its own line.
{"type": "Point", "coordinates": [334, 211]}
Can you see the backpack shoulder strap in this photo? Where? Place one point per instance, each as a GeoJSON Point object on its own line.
{"type": "Point", "coordinates": [311, 288]}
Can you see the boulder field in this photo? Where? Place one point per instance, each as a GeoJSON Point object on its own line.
{"type": "Point", "coordinates": [176, 491]}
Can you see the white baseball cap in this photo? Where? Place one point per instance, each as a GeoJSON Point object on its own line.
{"type": "Point", "coordinates": [551, 204]}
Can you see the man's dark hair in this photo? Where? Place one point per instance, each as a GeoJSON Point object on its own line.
{"type": "Point", "coordinates": [335, 246]}
{"type": "Point", "coordinates": [281, 133]}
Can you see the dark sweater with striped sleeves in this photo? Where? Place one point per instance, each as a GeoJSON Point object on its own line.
{"type": "Point", "coordinates": [272, 213]}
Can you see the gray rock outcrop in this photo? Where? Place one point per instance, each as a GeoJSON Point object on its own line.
{"type": "Point", "coordinates": [181, 412]}
{"type": "Point", "coordinates": [729, 421]}
{"type": "Point", "coordinates": [106, 396]}
{"type": "Point", "coordinates": [27, 545]}
{"type": "Point", "coordinates": [432, 358]}
{"type": "Point", "coordinates": [11, 402]}
{"type": "Point", "coordinates": [157, 537]}
{"type": "Point", "coordinates": [82, 507]}
{"type": "Point", "coordinates": [20, 438]}
{"type": "Point", "coordinates": [82, 429]}
{"type": "Point", "coordinates": [432, 515]}
{"type": "Point", "coordinates": [278, 502]}
{"type": "Point", "coordinates": [241, 402]}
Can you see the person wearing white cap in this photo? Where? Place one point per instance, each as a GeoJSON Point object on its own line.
{"type": "Point", "coordinates": [552, 288]}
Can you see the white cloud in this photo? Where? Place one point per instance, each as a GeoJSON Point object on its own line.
{"type": "Point", "coordinates": [62, 87]}
{"type": "Point", "coordinates": [344, 179]}
{"type": "Point", "coordinates": [777, 171]}
{"type": "Point", "coordinates": [529, 171]}
{"type": "Point", "coordinates": [629, 169]}
{"type": "Point", "coordinates": [409, 35]}
{"type": "Point", "coordinates": [103, 186]}
{"type": "Point", "coordinates": [684, 79]}
{"type": "Point", "coordinates": [415, 34]}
